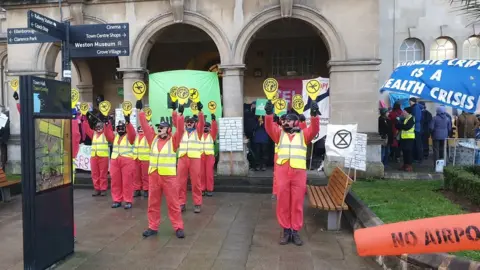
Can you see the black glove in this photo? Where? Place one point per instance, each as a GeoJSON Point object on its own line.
{"type": "Point", "coordinates": [213, 117]}
{"type": "Point", "coordinates": [105, 119]}
{"type": "Point", "coordinates": [199, 106]}
{"type": "Point", "coordinates": [139, 105]}
{"type": "Point", "coordinates": [269, 108]}
{"type": "Point", "coordinates": [15, 95]}
{"type": "Point", "coordinates": [314, 109]}
{"type": "Point", "coordinates": [276, 119]}
{"type": "Point", "coordinates": [180, 109]}
{"type": "Point", "coordinates": [127, 119]}
{"type": "Point", "coordinates": [302, 118]}
{"type": "Point", "coordinates": [169, 102]}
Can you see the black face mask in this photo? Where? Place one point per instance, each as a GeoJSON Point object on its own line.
{"type": "Point", "coordinates": [206, 130]}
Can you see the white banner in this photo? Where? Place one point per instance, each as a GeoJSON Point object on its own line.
{"type": "Point", "coordinates": [83, 157]}
{"type": "Point", "coordinates": [358, 160]}
{"type": "Point", "coordinates": [120, 117]}
{"type": "Point", "coordinates": [340, 140]}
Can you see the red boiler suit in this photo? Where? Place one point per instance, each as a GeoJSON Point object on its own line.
{"type": "Point", "coordinates": [188, 165]}
{"type": "Point", "coordinates": [122, 166]}
{"type": "Point", "coordinates": [99, 162]}
{"type": "Point", "coordinates": [208, 157]}
{"type": "Point", "coordinates": [166, 184]}
{"type": "Point", "coordinates": [142, 159]}
{"type": "Point", "coordinates": [291, 182]}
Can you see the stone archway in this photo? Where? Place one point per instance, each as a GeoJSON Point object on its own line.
{"type": "Point", "coordinates": [331, 36]}
{"type": "Point", "coordinates": [145, 39]}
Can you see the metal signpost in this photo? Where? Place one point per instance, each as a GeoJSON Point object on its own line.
{"type": "Point", "coordinates": [46, 127]}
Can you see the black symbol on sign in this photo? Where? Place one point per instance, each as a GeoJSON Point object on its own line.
{"type": "Point", "coordinates": [342, 139]}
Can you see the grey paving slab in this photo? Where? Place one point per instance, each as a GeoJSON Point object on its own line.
{"type": "Point", "coordinates": [234, 231]}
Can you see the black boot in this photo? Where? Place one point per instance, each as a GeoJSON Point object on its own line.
{"type": "Point", "coordinates": [145, 193]}
{"type": "Point", "coordinates": [209, 193]}
{"type": "Point", "coordinates": [96, 193]}
{"type": "Point", "coordinates": [127, 206]}
{"type": "Point", "coordinates": [203, 193]}
{"type": "Point", "coordinates": [296, 238]}
{"type": "Point", "coordinates": [149, 232]}
{"type": "Point", "coordinates": [137, 193]}
{"type": "Point", "coordinates": [180, 233]}
{"type": "Point", "coordinates": [285, 236]}
{"type": "Point", "coordinates": [103, 193]}
{"type": "Point", "coordinates": [183, 208]}
{"type": "Point", "coordinates": [116, 205]}
{"type": "Point", "coordinates": [197, 209]}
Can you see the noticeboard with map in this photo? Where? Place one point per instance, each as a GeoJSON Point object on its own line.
{"type": "Point", "coordinates": [51, 97]}
{"type": "Point", "coordinates": [53, 156]}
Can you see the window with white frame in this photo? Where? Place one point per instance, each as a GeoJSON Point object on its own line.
{"type": "Point", "coordinates": [471, 48]}
{"type": "Point", "coordinates": [442, 49]}
{"type": "Point", "coordinates": [412, 49]}
{"type": "Point", "coordinates": [299, 61]}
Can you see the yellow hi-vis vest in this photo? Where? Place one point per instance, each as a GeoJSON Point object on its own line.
{"type": "Point", "coordinates": [190, 145]}
{"type": "Point", "coordinates": [165, 160]}
{"type": "Point", "coordinates": [123, 149]}
{"type": "Point", "coordinates": [208, 145]}
{"type": "Point", "coordinates": [294, 151]}
{"type": "Point", "coordinates": [99, 146]}
{"type": "Point", "coordinates": [276, 148]}
{"type": "Point", "coordinates": [408, 134]}
{"type": "Point", "coordinates": [142, 150]}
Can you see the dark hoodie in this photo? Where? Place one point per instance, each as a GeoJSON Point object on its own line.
{"type": "Point", "coordinates": [440, 125]}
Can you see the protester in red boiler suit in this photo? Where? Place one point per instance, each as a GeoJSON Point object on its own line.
{"type": "Point", "coordinates": [208, 156]}
{"type": "Point", "coordinates": [291, 170]}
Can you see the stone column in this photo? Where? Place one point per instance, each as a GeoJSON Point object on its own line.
{"type": "Point", "coordinates": [232, 163]}
{"type": "Point", "coordinates": [354, 100]}
{"type": "Point", "coordinates": [14, 150]}
{"type": "Point", "coordinates": [86, 92]}
{"type": "Point", "coordinates": [131, 75]}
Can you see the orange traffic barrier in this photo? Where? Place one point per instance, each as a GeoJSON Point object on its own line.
{"type": "Point", "coordinates": [430, 235]}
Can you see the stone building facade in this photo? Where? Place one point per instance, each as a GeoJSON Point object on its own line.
{"type": "Point", "coordinates": [354, 43]}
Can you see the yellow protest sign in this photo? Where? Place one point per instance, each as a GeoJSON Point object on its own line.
{"type": "Point", "coordinates": [194, 95]}
{"type": "Point", "coordinates": [313, 89]}
{"type": "Point", "coordinates": [297, 97]}
{"type": "Point", "coordinates": [173, 94]}
{"type": "Point", "coordinates": [194, 108]}
{"type": "Point", "coordinates": [212, 106]}
{"type": "Point", "coordinates": [148, 113]}
{"type": "Point", "coordinates": [104, 107]}
{"type": "Point", "coordinates": [139, 88]}
{"type": "Point", "coordinates": [14, 84]}
{"type": "Point", "coordinates": [275, 98]}
{"type": "Point", "coordinates": [298, 105]}
{"type": "Point", "coordinates": [75, 97]}
{"type": "Point", "coordinates": [270, 87]}
{"type": "Point", "coordinates": [84, 107]}
{"type": "Point", "coordinates": [280, 105]}
{"type": "Point", "coordinates": [182, 94]}
{"type": "Point", "coordinates": [127, 107]}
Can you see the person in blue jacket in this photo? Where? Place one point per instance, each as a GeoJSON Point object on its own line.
{"type": "Point", "coordinates": [417, 115]}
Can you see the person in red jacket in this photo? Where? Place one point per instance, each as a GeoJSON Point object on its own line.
{"type": "Point", "coordinates": [291, 170]}
{"type": "Point", "coordinates": [101, 136]}
{"type": "Point", "coordinates": [208, 156]}
{"type": "Point", "coordinates": [162, 172]}
{"type": "Point", "coordinates": [122, 166]}
{"type": "Point", "coordinates": [142, 157]}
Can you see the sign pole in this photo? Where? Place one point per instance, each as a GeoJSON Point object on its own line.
{"type": "Point", "coordinates": [66, 65]}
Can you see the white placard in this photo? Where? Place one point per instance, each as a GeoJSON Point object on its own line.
{"type": "Point", "coordinates": [340, 140]}
{"type": "Point", "coordinates": [230, 134]}
{"type": "Point", "coordinates": [120, 117]}
{"type": "Point", "coordinates": [3, 120]}
{"type": "Point", "coordinates": [83, 157]}
{"type": "Point", "coordinates": [358, 160]}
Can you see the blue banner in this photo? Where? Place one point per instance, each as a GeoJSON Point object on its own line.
{"type": "Point", "coordinates": [454, 83]}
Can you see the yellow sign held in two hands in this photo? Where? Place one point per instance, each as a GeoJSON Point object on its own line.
{"type": "Point", "coordinates": [14, 84]}
{"type": "Point", "coordinates": [84, 107]}
{"type": "Point", "coordinates": [297, 97]}
{"type": "Point", "coordinates": [194, 108]}
{"type": "Point", "coordinates": [194, 95]}
{"type": "Point", "coordinates": [173, 94]}
{"type": "Point", "coordinates": [182, 94]}
{"type": "Point", "coordinates": [127, 107]}
{"type": "Point", "coordinates": [298, 105]}
{"type": "Point", "coordinates": [148, 113]}
{"type": "Point", "coordinates": [139, 89]}
{"type": "Point", "coordinates": [212, 106]}
{"type": "Point", "coordinates": [104, 107]}
{"type": "Point", "coordinates": [75, 97]}
{"type": "Point", "coordinates": [270, 87]}
{"type": "Point", "coordinates": [280, 105]}
{"type": "Point", "coordinates": [313, 89]}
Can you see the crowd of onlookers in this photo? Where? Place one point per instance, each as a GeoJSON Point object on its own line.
{"type": "Point", "coordinates": [407, 132]}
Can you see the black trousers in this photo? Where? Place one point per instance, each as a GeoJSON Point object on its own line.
{"type": "Point", "coordinates": [438, 150]}
{"type": "Point", "coordinates": [407, 149]}
{"type": "Point", "coordinates": [261, 154]}
{"type": "Point", "coordinates": [426, 147]}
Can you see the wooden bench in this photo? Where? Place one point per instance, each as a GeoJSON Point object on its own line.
{"type": "Point", "coordinates": [5, 186]}
{"type": "Point", "coordinates": [331, 197]}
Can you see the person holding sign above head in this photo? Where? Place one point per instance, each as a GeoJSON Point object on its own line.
{"type": "Point", "coordinates": [291, 169]}
{"type": "Point", "coordinates": [142, 158]}
{"type": "Point", "coordinates": [101, 135]}
{"type": "Point", "coordinates": [162, 172]}
{"type": "Point", "coordinates": [208, 155]}
{"type": "Point", "coordinates": [122, 166]}
{"type": "Point", "coordinates": [189, 157]}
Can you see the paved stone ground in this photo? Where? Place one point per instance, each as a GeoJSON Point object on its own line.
{"type": "Point", "coordinates": [234, 231]}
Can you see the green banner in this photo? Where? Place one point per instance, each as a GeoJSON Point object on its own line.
{"type": "Point", "coordinates": [260, 107]}
{"type": "Point", "coordinates": [160, 84]}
